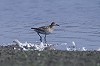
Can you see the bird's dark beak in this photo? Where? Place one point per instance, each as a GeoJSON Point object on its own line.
{"type": "Point", "coordinates": [57, 25]}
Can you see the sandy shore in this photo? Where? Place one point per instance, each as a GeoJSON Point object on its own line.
{"type": "Point", "coordinates": [11, 57]}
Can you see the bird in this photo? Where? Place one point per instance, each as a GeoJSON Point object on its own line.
{"type": "Point", "coordinates": [46, 30]}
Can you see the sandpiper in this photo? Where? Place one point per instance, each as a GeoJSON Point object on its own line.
{"type": "Point", "coordinates": [46, 30]}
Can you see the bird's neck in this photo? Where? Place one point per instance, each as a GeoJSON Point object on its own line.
{"type": "Point", "coordinates": [51, 26]}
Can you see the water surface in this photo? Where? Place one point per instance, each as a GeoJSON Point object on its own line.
{"type": "Point", "coordinates": [79, 21]}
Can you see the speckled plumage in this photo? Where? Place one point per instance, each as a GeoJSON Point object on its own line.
{"type": "Point", "coordinates": [45, 30]}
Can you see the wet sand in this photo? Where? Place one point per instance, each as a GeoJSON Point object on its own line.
{"type": "Point", "coordinates": [15, 57]}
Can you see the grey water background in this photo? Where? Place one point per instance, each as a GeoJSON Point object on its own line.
{"type": "Point", "coordinates": [79, 21]}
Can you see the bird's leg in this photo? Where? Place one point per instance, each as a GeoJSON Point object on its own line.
{"type": "Point", "coordinates": [45, 39]}
{"type": "Point", "coordinates": [40, 37]}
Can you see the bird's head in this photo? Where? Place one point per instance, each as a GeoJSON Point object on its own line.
{"type": "Point", "coordinates": [54, 24]}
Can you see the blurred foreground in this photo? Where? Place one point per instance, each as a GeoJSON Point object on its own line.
{"type": "Point", "coordinates": [15, 57]}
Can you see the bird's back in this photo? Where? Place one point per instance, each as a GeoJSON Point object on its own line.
{"type": "Point", "coordinates": [43, 30]}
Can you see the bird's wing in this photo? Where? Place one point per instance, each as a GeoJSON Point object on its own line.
{"type": "Point", "coordinates": [43, 27]}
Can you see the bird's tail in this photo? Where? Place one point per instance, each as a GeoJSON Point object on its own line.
{"type": "Point", "coordinates": [33, 28]}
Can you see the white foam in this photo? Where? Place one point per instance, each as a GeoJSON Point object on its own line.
{"type": "Point", "coordinates": [98, 49]}
{"type": "Point", "coordinates": [84, 49]}
{"type": "Point", "coordinates": [41, 46]}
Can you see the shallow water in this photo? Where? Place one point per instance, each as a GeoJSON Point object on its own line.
{"type": "Point", "coordinates": [79, 21]}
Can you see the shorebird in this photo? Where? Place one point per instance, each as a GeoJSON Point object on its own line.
{"type": "Point", "coordinates": [46, 30]}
